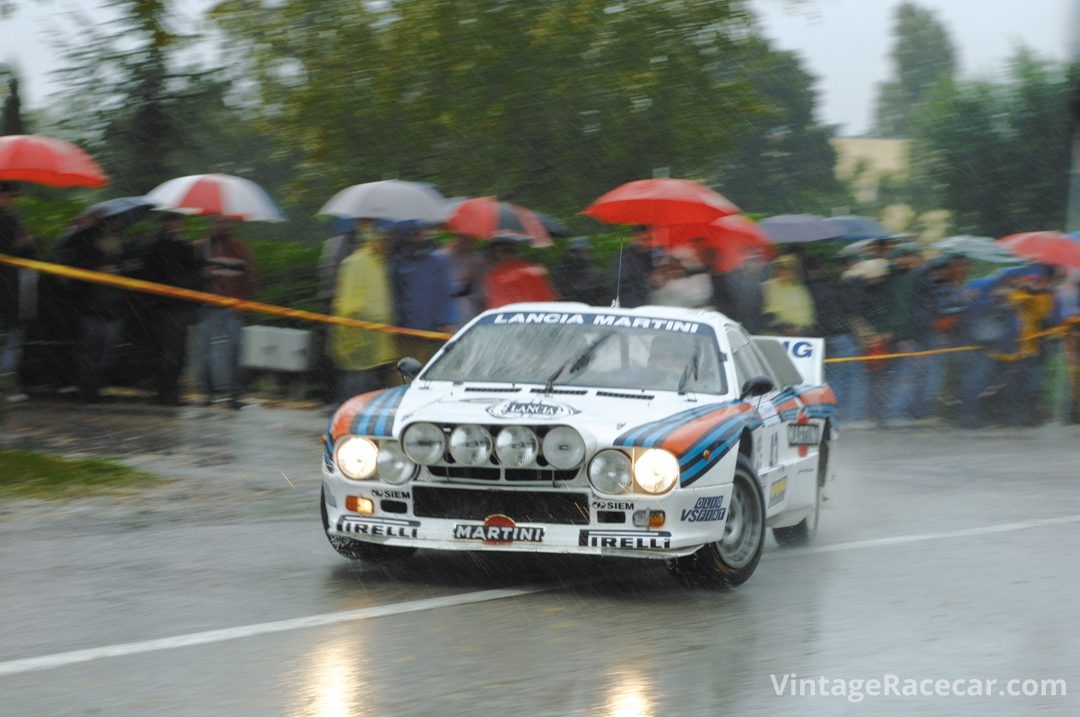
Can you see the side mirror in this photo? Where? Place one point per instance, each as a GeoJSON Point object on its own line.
{"type": "Point", "coordinates": [409, 368]}
{"type": "Point", "coordinates": [756, 386]}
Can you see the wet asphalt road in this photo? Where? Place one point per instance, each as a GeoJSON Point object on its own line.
{"type": "Point", "coordinates": [942, 555]}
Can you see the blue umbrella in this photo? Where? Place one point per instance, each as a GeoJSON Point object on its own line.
{"type": "Point", "coordinates": [856, 228]}
{"type": "Point", "coordinates": [799, 228]}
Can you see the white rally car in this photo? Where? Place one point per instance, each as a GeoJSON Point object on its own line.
{"type": "Point", "coordinates": [654, 432]}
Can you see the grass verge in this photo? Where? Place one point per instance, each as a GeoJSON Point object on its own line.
{"type": "Point", "coordinates": [25, 474]}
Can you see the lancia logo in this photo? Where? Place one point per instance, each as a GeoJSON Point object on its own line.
{"type": "Point", "coordinates": [531, 409]}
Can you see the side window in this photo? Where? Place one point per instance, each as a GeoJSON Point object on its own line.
{"type": "Point", "coordinates": [766, 367]}
{"type": "Point", "coordinates": [781, 364]}
{"type": "Point", "coordinates": [748, 363]}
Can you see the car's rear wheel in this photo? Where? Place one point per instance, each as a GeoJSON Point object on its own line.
{"type": "Point", "coordinates": [804, 533]}
{"type": "Point", "coordinates": [358, 549]}
{"type": "Point", "coordinates": [731, 560]}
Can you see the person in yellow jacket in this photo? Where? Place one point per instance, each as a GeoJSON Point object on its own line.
{"type": "Point", "coordinates": [787, 300]}
{"type": "Point", "coordinates": [363, 356]}
{"type": "Point", "coordinates": [1033, 301]}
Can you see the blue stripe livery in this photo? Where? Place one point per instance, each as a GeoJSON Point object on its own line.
{"type": "Point", "coordinates": [377, 417]}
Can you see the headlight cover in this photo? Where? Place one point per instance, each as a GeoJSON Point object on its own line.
{"type": "Point", "coordinates": [609, 472]}
{"type": "Point", "coordinates": [517, 446]}
{"type": "Point", "coordinates": [424, 443]}
{"type": "Point", "coordinates": [656, 471]}
{"type": "Point", "coordinates": [470, 445]}
{"type": "Point", "coordinates": [356, 457]}
{"type": "Point", "coordinates": [564, 448]}
{"type": "Point", "coordinates": [394, 466]}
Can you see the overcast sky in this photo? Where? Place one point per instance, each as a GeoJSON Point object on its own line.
{"type": "Point", "coordinates": [845, 43]}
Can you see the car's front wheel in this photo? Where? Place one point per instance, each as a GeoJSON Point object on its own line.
{"type": "Point", "coordinates": [358, 549]}
{"type": "Point", "coordinates": [731, 560]}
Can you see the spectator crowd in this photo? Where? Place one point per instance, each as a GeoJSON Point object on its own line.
{"type": "Point", "coordinates": [894, 297]}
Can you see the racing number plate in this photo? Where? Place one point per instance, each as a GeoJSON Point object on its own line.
{"type": "Point", "coordinates": [805, 435]}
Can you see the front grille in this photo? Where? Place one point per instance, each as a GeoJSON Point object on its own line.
{"type": "Point", "coordinates": [522, 506]}
{"type": "Point", "coordinates": [469, 472]}
{"type": "Point", "coordinates": [537, 475]}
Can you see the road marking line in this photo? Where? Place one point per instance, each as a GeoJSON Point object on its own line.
{"type": "Point", "coordinates": [45, 662]}
{"type": "Point", "coordinates": [923, 537]}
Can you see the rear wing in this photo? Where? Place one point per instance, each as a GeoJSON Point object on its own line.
{"type": "Point", "coordinates": [806, 356]}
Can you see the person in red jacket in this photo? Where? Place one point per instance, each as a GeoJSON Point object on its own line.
{"type": "Point", "coordinates": [510, 279]}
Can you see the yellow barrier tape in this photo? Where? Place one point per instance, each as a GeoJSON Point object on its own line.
{"type": "Point", "coordinates": [150, 287]}
{"type": "Point", "coordinates": [883, 357]}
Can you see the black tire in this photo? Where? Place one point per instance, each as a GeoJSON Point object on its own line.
{"type": "Point", "coordinates": [804, 533]}
{"type": "Point", "coordinates": [731, 560]}
{"type": "Point", "coordinates": [358, 549]}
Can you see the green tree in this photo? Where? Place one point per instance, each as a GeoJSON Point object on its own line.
{"type": "Point", "coordinates": [12, 121]}
{"type": "Point", "coordinates": [996, 154]}
{"type": "Point", "coordinates": [781, 160]}
{"type": "Point", "coordinates": [550, 104]}
{"type": "Point", "coordinates": [923, 57]}
{"type": "Point", "coordinates": [126, 93]}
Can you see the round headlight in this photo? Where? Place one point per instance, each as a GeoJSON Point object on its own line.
{"type": "Point", "coordinates": [609, 472]}
{"type": "Point", "coordinates": [424, 443]}
{"type": "Point", "coordinates": [656, 471]}
{"type": "Point", "coordinates": [356, 457]}
{"type": "Point", "coordinates": [470, 445]}
{"type": "Point", "coordinates": [517, 446]}
{"type": "Point", "coordinates": [394, 466]}
{"type": "Point", "coordinates": [564, 448]}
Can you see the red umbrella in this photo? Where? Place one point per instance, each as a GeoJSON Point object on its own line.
{"type": "Point", "coordinates": [661, 202]}
{"type": "Point", "coordinates": [484, 217]}
{"type": "Point", "coordinates": [731, 239]}
{"type": "Point", "coordinates": [223, 194]}
{"type": "Point", "coordinates": [44, 160]}
{"type": "Point", "coordinates": [1045, 248]}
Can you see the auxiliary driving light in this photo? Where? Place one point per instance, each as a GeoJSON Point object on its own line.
{"type": "Point", "coordinates": [470, 445]}
{"type": "Point", "coordinates": [424, 443]}
{"type": "Point", "coordinates": [564, 448]}
{"type": "Point", "coordinates": [517, 446]}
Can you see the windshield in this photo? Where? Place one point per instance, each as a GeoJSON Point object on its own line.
{"type": "Point", "coordinates": [587, 350]}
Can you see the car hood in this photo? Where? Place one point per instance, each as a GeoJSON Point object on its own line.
{"type": "Point", "coordinates": [602, 414]}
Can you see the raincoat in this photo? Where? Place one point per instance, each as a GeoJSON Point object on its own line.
{"type": "Point", "coordinates": [790, 303]}
{"type": "Point", "coordinates": [363, 292]}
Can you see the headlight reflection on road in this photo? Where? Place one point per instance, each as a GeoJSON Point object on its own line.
{"type": "Point", "coordinates": [629, 696]}
{"type": "Point", "coordinates": [332, 686]}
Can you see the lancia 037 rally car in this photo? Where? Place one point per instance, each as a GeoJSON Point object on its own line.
{"type": "Point", "coordinates": [654, 432]}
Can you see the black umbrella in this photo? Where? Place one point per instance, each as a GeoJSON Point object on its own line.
{"type": "Point", "coordinates": [123, 210]}
{"type": "Point", "coordinates": [554, 227]}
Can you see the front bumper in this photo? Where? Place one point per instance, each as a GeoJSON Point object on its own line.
{"type": "Point", "coordinates": [569, 520]}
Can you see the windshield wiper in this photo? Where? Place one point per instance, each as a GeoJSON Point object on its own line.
{"type": "Point", "coordinates": [691, 368]}
{"type": "Point", "coordinates": [578, 362]}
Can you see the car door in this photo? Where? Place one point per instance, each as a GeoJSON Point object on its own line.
{"type": "Point", "coordinates": [772, 454]}
{"type": "Point", "coordinates": [803, 434]}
